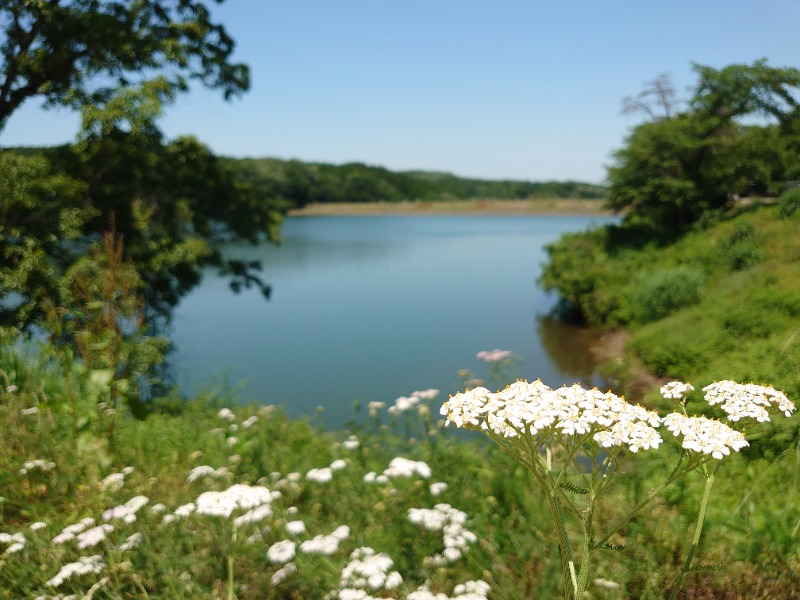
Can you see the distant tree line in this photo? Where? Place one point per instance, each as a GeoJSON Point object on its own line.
{"type": "Point", "coordinates": [299, 184]}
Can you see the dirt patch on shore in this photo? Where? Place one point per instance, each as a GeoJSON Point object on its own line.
{"type": "Point", "coordinates": [547, 206]}
{"type": "Point", "coordinates": [622, 369]}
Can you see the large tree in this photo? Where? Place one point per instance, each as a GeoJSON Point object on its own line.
{"type": "Point", "coordinates": [82, 52]}
{"type": "Point", "coordinates": [737, 135]}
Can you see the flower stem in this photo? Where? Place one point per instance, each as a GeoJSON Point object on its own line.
{"type": "Point", "coordinates": [701, 517]}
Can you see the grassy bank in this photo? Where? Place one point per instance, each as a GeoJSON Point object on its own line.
{"type": "Point", "coordinates": [163, 507]}
{"type": "Point", "coordinates": [547, 206]}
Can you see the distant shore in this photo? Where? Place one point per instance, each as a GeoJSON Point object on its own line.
{"type": "Point", "coordinates": [545, 206]}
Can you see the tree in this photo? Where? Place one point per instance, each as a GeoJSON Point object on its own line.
{"type": "Point", "coordinates": [78, 53]}
{"type": "Point", "coordinates": [736, 136]}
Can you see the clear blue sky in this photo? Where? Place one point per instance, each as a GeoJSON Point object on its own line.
{"type": "Point", "coordinates": [510, 89]}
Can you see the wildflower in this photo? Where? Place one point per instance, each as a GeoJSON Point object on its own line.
{"type": "Point", "coordinates": [747, 400]}
{"type": "Point", "coordinates": [127, 510]}
{"type": "Point", "coordinates": [201, 471]}
{"type": "Point", "coordinates": [428, 394]}
{"type": "Point", "coordinates": [132, 541]}
{"type": "Point", "coordinates": [11, 389]}
{"type": "Point", "coordinates": [86, 564]}
{"type": "Point", "coordinates": [232, 441]}
{"type": "Point", "coordinates": [676, 390]}
{"type": "Point", "coordinates": [295, 528]}
{"type": "Point", "coordinates": [403, 403]}
{"type": "Point", "coordinates": [95, 535]}
{"type": "Point", "coordinates": [326, 544]}
{"type": "Point", "coordinates": [226, 414]}
{"type": "Point", "coordinates": [281, 552]}
{"type": "Point", "coordinates": [367, 569]}
{"type": "Point", "coordinates": [248, 423]}
{"type": "Point", "coordinates": [403, 467]}
{"type": "Point", "coordinates": [127, 471]}
{"type": "Point", "coordinates": [14, 548]}
{"type": "Point", "coordinates": [29, 411]}
{"type": "Point", "coordinates": [351, 443]}
{"type": "Point", "coordinates": [68, 533]}
{"type": "Point", "coordinates": [255, 515]}
{"type": "Point", "coordinates": [323, 475]}
{"type": "Point", "coordinates": [705, 436]}
{"type": "Point", "coordinates": [184, 510]}
{"type": "Point", "coordinates": [492, 356]}
{"type": "Point", "coordinates": [237, 496]}
{"type": "Point", "coordinates": [38, 525]}
{"type": "Point", "coordinates": [157, 508]}
{"type": "Point", "coordinates": [337, 465]}
{"type": "Point", "coordinates": [438, 488]}
{"type": "Point", "coordinates": [283, 573]}
{"type": "Point", "coordinates": [113, 482]}
{"type": "Point", "coordinates": [37, 465]}
{"type": "Point", "coordinates": [374, 407]}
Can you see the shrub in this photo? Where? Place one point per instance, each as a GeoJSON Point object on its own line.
{"type": "Point", "coordinates": [657, 294]}
{"type": "Point", "coordinates": [790, 202]}
{"type": "Point", "coordinates": [740, 248]}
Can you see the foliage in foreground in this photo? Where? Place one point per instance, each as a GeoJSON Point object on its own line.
{"type": "Point", "coordinates": [169, 502]}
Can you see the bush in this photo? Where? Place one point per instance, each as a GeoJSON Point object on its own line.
{"type": "Point", "coordinates": [740, 248]}
{"type": "Point", "coordinates": [659, 293]}
{"type": "Point", "coordinates": [790, 202]}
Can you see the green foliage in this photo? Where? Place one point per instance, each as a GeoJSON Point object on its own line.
{"type": "Point", "coordinates": [740, 247]}
{"type": "Point", "coordinates": [659, 293]}
{"type": "Point", "coordinates": [790, 202]}
{"type": "Point", "coordinates": [675, 169]}
{"type": "Point", "coordinates": [89, 54]}
{"type": "Point", "coordinates": [301, 184]}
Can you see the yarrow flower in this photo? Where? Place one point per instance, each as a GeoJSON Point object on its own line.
{"type": "Point", "coordinates": [676, 390]}
{"type": "Point", "coordinates": [281, 552]}
{"type": "Point", "coordinates": [86, 564]}
{"type": "Point", "coordinates": [368, 570]}
{"type": "Point", "coordinates": [533, 408]}
{"type": "Point", "coordinates": [706, 436]}
{"type": "Point", "coordinates": [450, 521]}
{"type": "Point", "coordinates": [492, 356]}
{"type": "Point", "coordinates": [747, 400]}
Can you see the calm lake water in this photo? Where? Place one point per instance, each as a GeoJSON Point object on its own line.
{"type": "Point", "coordinates": [375, 307]}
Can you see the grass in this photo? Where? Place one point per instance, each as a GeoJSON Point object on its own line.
{"type": "Point", "coordinates": [752, 524]}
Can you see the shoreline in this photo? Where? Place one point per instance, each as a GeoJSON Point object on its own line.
{"type": "Point", "coordinates": [547, 206]}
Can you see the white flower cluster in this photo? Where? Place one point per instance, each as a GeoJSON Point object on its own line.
{"type": "Point", "coordinates": [450, 522]}
{"type": "Point", "coordinates": [399, 467]}
{"type": "Point", "coordinates": [206, 471]}
{"type": "Point", "coordinates": [126, 512]}
{"type": "Point", "coordinates": [706, 436]}
{"type": "Point", "coordinates": [368, 570]}
{"type": "Point", "coordinates": [676, 390]}
{"type": "Point", "coordinates": [68, 533]}
{"type": "Point", "coordinates": [747, 400]}
{"type": "Point", "coordinates": [238, 496]}
{"type": "Point", "coordinates": [471, 590]}
{"type": "Point", "coordinates": [95, 535]}
{"type": "Point", "coordinates": [283, 573]}
{"type": "Point", "coordinates": [281, 552]}
{"type": "Point", "coordinates": [37, 464]}
{"type": "Point", "coordinates": [249, 422]}
{"type": "Point", "coordinates": [326, 544]}
{"type": "Point", "coordinates": [113, 482]}
{"type": "Point", "coordinates": [403, 404]}
{"type": "Point", "coordinates": [14, 541]}
{"type": "Point", "coordinates": [132, 541]}
{"type": "Point", "coordinates": [295, 528]}
{"type": "Point", "coordinates": [226, 414]}
{"type": "Point", "coordinates": [535, 407]}
{"type": "Point", "coordinates": [438, 488]}
{"type": "Point", "coordinates": [86, 564]}
{"type": "Point", "coordinates": [351, 443]}
{"type": "Point", "coordinates": [493, 356]}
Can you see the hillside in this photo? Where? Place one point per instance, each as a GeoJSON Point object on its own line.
{"type": "Point", "coordinates": [719, 302]}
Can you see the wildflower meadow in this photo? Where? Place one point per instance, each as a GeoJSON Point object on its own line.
{"type": "Point", "coordinates": [582, 495]}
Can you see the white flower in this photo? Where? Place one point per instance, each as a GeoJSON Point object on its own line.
{"type": "Point", "coordinates": [283, 573]}
{"type": "Point", "coordinates": [134, 540]}
{"type": "Point", "coordinates": [68, 533]}
{"type": "Point", "coordinates": [403, 467]}
{"type": "Point", "coordinates": [295, 528]}
{"type": "Point", "coordinates": [95, 535]}
{"type": "Point", "coordinates": [705, 436]}
{"type": "Point", "coordinates": [222, 504]}
{"type": "Point", "coordinates": [338, 465]}
{"type": "Point", "coordinates": [367, 569]}
{"type": "Point", "coordinates": [281, 552]}
{"type": "Point", "coordinates": [38, 525]}
{"type": "Point", "coordinates": [676, 390]}
{"type": "Point", "coordinates": [438, 488]}
{"type": "Point", "coordinates": [255, 515]}
{"type": "Point", "coordinates": [37, 464]}
{"type": "Point", "coordinates": [127, 510]}
{"type": "Point", "coordinates": [86, 564]}
{"type": "Point", "coordinates": [112, 482]}
{"type": "Point", "coordinates": [184, 510]}
{"type": "Point", "coordinates": [747, 400]}
{"type": "Point", "coordinates": [248, 423]}
{"type": "Point", "coordinates": [14, 548]}
{"type": "Point", "coordinates": [226, 414]}
{"type": "Point", "coordinates": [491, 356]}
{"type": "Point", "coordinates": [323, 475]}
{"type": "Point", "coordinates": [29, 411]}
{"type": "Point", "coordinates": [201, 471]}
{"type": "Point", "coordinates": [351, 443]}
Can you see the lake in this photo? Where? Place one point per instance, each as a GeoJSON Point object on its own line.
{"type": "Point", "coordinates": [371, 308]}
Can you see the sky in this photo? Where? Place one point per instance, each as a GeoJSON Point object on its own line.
{"type": "Point", "coordinates": [511, 89]}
